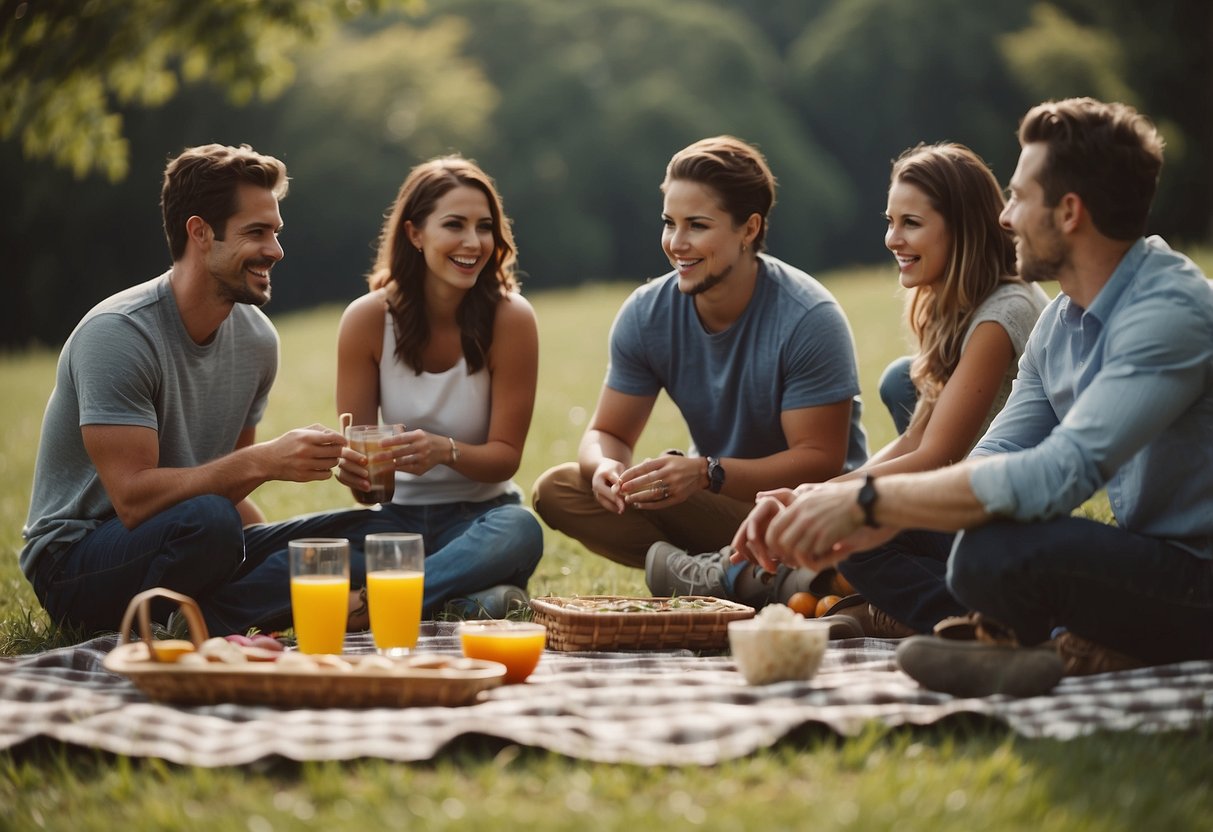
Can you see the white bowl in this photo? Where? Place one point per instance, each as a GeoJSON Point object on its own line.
{"type": "Point", "coordinates": [768, 652]}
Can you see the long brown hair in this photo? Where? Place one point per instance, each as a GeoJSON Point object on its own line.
{"type": "Point", "coordinates": [400, 268]}
{"type": "Point", "coordinates": [960, 186]}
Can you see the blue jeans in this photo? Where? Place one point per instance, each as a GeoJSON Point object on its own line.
{"type": "Point", "coordinates": [1140, 595]}
{"type": "Point", "coordinates": [898, 393]}
{"type": "Point", "coordinates": [472, 546]}
{"type": "Point", "coordinates": [906, 578]}
{"type": "Point", "coordinates": [240, 577]}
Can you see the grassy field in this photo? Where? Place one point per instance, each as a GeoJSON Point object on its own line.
{"type": "Point", "coordinates": [961, 776]}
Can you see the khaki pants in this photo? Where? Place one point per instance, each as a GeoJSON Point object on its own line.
{"type": "Point", "coordinates": [704, 523]}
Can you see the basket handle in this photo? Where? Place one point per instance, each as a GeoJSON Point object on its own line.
{"type": "Point", "coordinates": [141, 605]}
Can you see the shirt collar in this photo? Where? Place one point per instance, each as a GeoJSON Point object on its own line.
{"type": "Point", "coordinates": [1109, 296]}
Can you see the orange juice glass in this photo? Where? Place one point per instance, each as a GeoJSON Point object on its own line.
{"type": "Point", "coordinates": [395, 583]}
{"type": "Point", "coordinates": [516, 644]}
{"type": "Point", "coordinates": [320, 592]}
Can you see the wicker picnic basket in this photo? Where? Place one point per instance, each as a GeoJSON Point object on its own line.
{"type": "Point", "coordinates": [579, 623]}
{"type": "Point", "coordinates": [423, 679]}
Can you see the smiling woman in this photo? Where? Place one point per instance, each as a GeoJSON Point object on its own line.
{"type": "Point", "coordinates": [444, 344]}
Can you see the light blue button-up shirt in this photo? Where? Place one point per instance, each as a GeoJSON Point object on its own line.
{"type": "Point", "coordinates": [1120, 396]}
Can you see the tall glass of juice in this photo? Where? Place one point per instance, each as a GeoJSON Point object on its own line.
{"type": "Point", "coordinates": [395, 580]}
{"type": "Point", "coordinates": [381, 468]}
{"type": "Point", "coordinates": [320, 592]}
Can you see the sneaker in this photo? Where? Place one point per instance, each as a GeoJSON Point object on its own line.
{"type": "Point", "coordinates": [974, 668]}
{"type": "Point", "coordinates": [1083, 657]}
{"type": "Point", "coordinates": [670, 571]}
{"type": "Point", "coordinates": [870, 620]}
{"type": "Point", "coordinates": [495, 602]}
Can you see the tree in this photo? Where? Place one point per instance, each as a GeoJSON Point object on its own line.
{"type": "Point", "coordinates": [67, 67]}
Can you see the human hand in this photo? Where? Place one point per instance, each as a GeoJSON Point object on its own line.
{"type": "Point", "coordinates": [416, 451]}
{"type": "Point", "coordinates": [304, 454]}
{"type": "Point", "coordinates": [662, 482]}
{"type": "Point", "coordinates": [820, 527]}
{"type": "Point", "coordinates": [749, 542]}
{"type": "Point", "coordinates": [605, 485]}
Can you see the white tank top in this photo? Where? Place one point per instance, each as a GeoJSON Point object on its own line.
{"type": "Point", "coordinates": [451, 403]}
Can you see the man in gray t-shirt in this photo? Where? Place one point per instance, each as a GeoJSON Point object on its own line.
{"type": "Point", "coordinates": [148, 453]}
{"type": "Point", "coordinates": [759, 360]}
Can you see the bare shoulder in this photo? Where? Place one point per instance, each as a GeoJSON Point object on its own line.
{"type": "Point", "coordinates": [515, 312]}
{"type": "Point", "coordinates": [362, 322]}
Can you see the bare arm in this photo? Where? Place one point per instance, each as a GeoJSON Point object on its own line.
{"type": "Point", "coordinates": [127, 460]}
{"type": "Point", "coordinates": [959, 413]}
{"type": "Point", "coordinates": [607, 446]}
{"type": "Point", "coordinates": [825, 524]}
{"type": "Point", "coordinates": [250, 512]}
{"type": "Point", "coordinates": [817, 445]}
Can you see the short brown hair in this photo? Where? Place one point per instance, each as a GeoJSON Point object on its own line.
{"type": "Point", "coordinates": [1108, 154]}
{"type": "Point", "coordinates": [202, 182]}
{"type": "Point", "coordinates": [736, 171]}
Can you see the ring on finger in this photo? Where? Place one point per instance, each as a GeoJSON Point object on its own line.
{"type": "Point", "coordinates": [665, 491]}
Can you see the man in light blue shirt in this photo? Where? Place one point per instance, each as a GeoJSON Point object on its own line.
{"type": "Point", "coordinates": [1115, 391]}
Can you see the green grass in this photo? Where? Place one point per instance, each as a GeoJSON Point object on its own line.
{"type": "Point", "coordinates": [960, 776]}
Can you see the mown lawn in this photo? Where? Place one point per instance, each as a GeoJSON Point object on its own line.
{"type": "Point", "coordinates": [959, 776]}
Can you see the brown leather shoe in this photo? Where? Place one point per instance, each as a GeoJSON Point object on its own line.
{"type": "Point", "coordinates": [872, 621]}
{"type": "Point", "coordinates": [1083, 657]}
{"type": "Point", "coordinates": [974, 626]}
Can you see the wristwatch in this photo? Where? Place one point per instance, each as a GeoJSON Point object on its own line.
{"type": "Point", "coordinates": [867, 501]}
{"type": "Point", "coordinates": [715, 475]}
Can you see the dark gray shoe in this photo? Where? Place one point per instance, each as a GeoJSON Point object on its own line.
{"type": "Point", "coordinates": [492, 603]}
{"type": "Point", "coordinates": [971, 668]}
{"type": "Point", "coordinates": [670, 571]}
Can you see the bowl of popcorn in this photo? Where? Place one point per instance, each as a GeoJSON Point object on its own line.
{"type": "Point", "coordinates": [778, 645]}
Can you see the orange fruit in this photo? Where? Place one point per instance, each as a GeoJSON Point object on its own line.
{"type": "Point", "coordinates": [826, 602]}
{"type": "Point", "coordinates": [842, 586]}
{"type": "Point", "coordinates": [803, 603]}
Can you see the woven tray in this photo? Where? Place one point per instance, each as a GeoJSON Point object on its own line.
{"type": "Point", "coordinates": [692, 629]}
{"type": "Point", "coordinates": [424, 679]}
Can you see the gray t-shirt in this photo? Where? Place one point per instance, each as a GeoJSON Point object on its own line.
{"type": "Point", "coordinates": [130, 361]}
{"type": "Point", "coordinates": [1015, 307]}
{"type": "Point", "coordinates": [791, 348]}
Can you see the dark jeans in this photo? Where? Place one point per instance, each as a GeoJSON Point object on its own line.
{"type": "Point", "coordinates": [240, 577]}
{"type": "Point", "coordinates": [898, 393]}
{"type": "Point", "coordinates": [1136, 594]}
{"type": "Point", "coordinates": [905, 578]}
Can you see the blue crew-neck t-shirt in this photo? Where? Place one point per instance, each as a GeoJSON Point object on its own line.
{"type": "Point", "coordinates": [791, 348]}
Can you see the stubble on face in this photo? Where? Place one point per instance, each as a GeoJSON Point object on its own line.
{"type": "Point", "coordinates": [1047, 259]}
{"type": "Point", "coordinates": [710, 282]}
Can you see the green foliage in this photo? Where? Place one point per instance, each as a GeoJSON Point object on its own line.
{"type": "Point", "coordinates": [66, 67]}
{"type": "Point", "coordinates": [1054, 57]}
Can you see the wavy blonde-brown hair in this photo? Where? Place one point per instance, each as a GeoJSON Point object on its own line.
{"type": "Point", "coordinates": [400, 268]}
{"type": "Point", "coordinates": [960, 186]}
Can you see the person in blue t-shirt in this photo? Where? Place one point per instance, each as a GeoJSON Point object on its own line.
{"type": "Point", "coordinates": [756, 355]}
{"type": "Point", "coordinates": [1114, 392]}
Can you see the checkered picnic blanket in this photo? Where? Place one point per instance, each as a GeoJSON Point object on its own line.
{"type": "Point", "coordinates": [643, 708]}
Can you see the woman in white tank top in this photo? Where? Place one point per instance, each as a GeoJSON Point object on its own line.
{"type": "Point", "coordinates": [444, 344]}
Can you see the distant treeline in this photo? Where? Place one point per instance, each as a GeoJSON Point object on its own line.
{"type": "Point", "coordinates": [575, 106]}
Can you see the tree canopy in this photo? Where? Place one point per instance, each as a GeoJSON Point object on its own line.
{"type": "Point", "coordinates": [573, 106]}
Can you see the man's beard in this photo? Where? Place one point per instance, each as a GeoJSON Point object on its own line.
{"type": "Point", "coordinates": [709, 282]}
{"type": "Point", "coordinates": [1035, 267]}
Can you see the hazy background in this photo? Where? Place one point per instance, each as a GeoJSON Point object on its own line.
{"type": "Point", "coordinates": [574, 106]}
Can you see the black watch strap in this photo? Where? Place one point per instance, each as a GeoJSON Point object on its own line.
{"type": "Point", "coordinates": [867, 501]}
{"type": "Point", "coordinates": [715, 475]}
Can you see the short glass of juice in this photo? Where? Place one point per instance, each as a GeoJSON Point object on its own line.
{"type": "Point", "coordinates": [515, 644]}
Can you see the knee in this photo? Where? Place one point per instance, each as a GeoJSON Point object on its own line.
{"type": "Point", "coordinates": [212, 528]}
{"type": "Point", "coordinates": [520, 534]}
{"type": "Point", "coordinates": [554, 489]}
{"type": "Point", "coordinates": [982, 562]}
